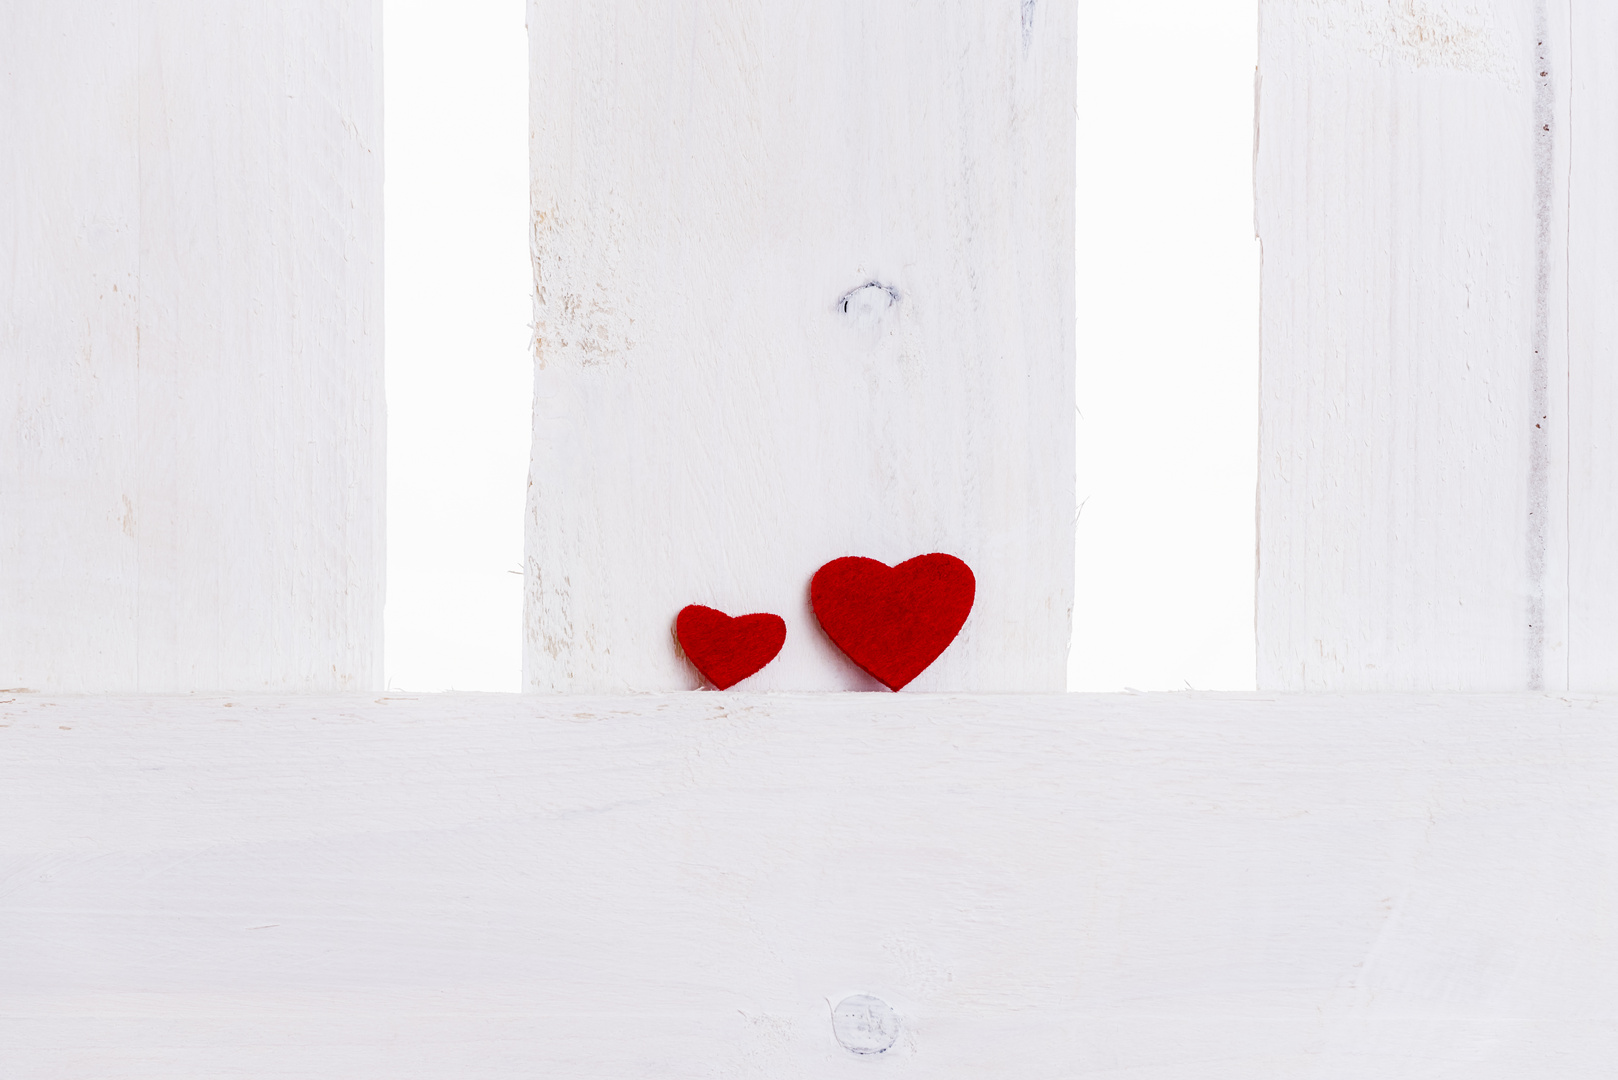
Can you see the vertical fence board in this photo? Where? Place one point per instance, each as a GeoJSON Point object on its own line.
{"type": "Point", "coordinates": [1592, 273]}
{"type": "Point", "coordinates": [1413, 473]}
{"type": "Point", "coordinates": [191, 478]}
{"type": "Point", "coordinates": [803, 290]}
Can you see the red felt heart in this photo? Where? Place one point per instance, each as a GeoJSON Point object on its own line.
{"type": "Point", "coordinates": [728, 650]}
{"type": "Point", "coordinates": [893, 621]}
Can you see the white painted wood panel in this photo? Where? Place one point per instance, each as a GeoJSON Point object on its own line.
{"type": "Point", "coordinates": [190, 334]}
{"type": "Point", "coordinates": [804, 289]}
{"type": "Point", "coordinates": [1592, 271]}
{"type": "Point", "coordinates": [1158, 886]}
{"type": "Point", "coordinates": [69, 332]}
{"type": "Point", "coordinates": [1411, 194]}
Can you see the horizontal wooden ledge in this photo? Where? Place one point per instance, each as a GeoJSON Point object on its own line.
{"type": "Point", "coordinates": [18, 703]}
{"type": "Point", "coordinates": [467, 885]}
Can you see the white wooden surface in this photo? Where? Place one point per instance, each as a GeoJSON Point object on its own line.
{"type": "Point", "coordinates": [1592, 269]}
{"type": "Point", "coordinates": [804, 290]}
{"type": "Point", "coordinates": [191, 413]}
{"type": "Point", "coordinates": [1159, 886]}
{"type": "Point", "coordinates": [1437, 472]}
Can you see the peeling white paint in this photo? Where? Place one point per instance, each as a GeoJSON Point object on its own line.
{"type": "Point", "coordinates": [1483, 39]}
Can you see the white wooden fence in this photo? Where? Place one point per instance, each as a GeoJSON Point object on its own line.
{"type": "Point", "coordinates": [191, 467]}
{"type": "Point", "coordinates": [804, 290]}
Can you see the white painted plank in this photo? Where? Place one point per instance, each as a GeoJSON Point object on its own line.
{"type": "Point", "coordinates": [1592, 272]}
{"type": "Point", "coordinates": [191, 474]}
{"type": "Point", "coordinates": [460, 375]}
{"type": "Point", "coordinates": [1168, 347]}
{"type": "Point", "coordinates": [712, 421]}
{"type": "Point", "coordinates": [69, 335]}
{"type": "Point", "coordinates": [1160, 886]}
{"type": "Point", "coordinates": [1413, 441]}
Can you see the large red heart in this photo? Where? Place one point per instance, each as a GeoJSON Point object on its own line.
{"type": "Point", "coordinates": [728, 650]}
{"type": "Point", "coordinates": [893, 621]}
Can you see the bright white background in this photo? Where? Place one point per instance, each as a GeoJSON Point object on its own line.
{"type": "Point", "coordinates": [460, 383]}
{"type": "Point", "coordinates": [1168, 346]}
{"type": "Point", "coordinates": [1167, 337]}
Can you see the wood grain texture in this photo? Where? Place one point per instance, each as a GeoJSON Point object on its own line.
{"type": "Point", "coordinates": [804, 289]}
{"type": "Point", "coordinates": [1412, 201]}
{"type": "Point", "coordinates": [1592, 282]}
{"type": "Point", "coordinates": [1157, 886]}
{"type": "Point", "coordinates": [191, 418]}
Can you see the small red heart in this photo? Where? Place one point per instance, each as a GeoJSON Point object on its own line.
{"type": "Point", "coordinates": [728, 650]}
{"type": "Point", "coordinates": [893, 621]}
